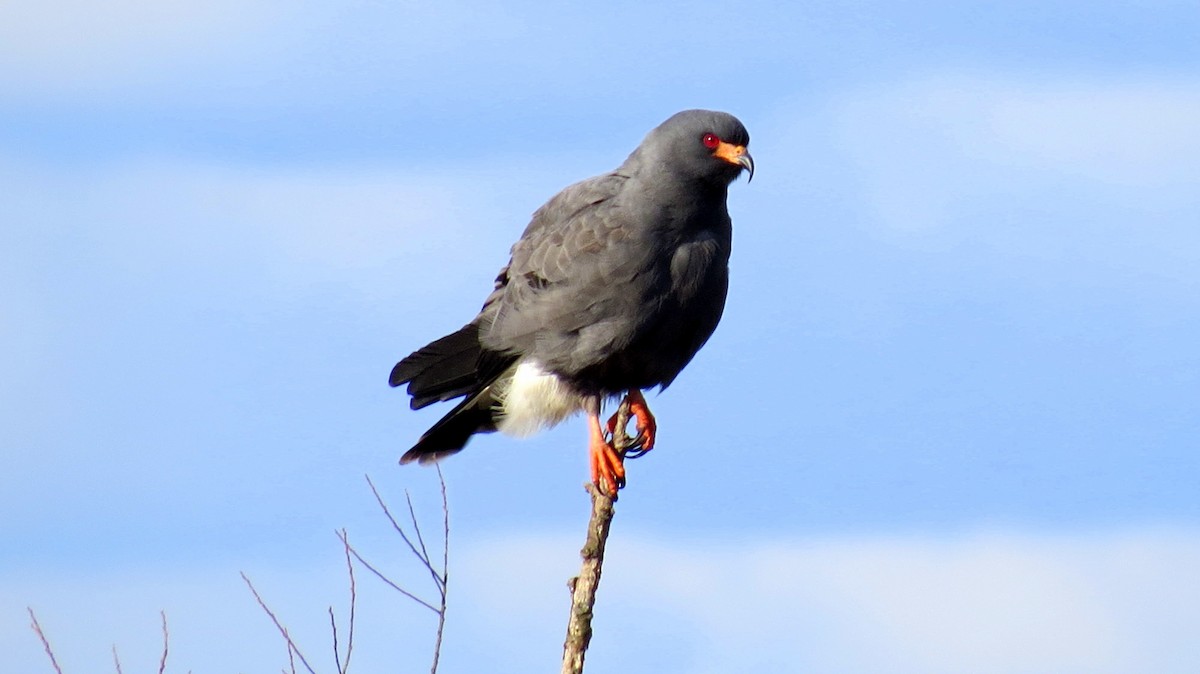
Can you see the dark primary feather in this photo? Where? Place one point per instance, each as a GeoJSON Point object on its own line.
{"type": "Point", "coordinates": [445, 369]}
{"type": "Point", "coordinates": [455, 365]}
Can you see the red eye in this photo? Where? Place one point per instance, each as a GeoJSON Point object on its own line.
{"type": "Point", "coordinates": [710, 141]}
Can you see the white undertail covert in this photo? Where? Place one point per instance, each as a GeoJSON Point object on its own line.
{"type": "Point", "coordinates": [534, 400]}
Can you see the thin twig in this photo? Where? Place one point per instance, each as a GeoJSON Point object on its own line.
{"type": "Point", "coordinates": [343, 665]}
{"type": "Point", "coordinates": [354, 595]}
{"type": "Point", "coordinates": [292, 653]}
{"type": "Point", "coordinates": [116, 660]}
{"type": "Point", "coordinates": [379, 574]}
{"type": "Point", "coordinates": [421, 554]}
{"type": "Point", "coordinates": [583, 587]}
{"type": "Point", "coordinates": [282, 630]}
{"type": "Point", "coordinates": [388, 513]}
{"type": "Point", "coordinates": [37, 627]}
{"type": "Point", "coordinates": [412, 515]}
{"type": "Point", "coordinates": [445, 575]}
{"type": "Point", "coordinates": [162, 663]}
{"type": "Point", "coordinates": [445, 533]}
{"type": "Point", "coordinates": [337, 656]}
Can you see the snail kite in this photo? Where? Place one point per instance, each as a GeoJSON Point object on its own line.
{"type": "Point", "coordinates": [613, 287]}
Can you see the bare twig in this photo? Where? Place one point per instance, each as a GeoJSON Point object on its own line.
{"type": "Point", "coordinates": [445, 532]}
{"type": "Point", "coordinates": [416, 545]}
{"type": "Point", "coordinates": [162, 663]}
{"type": "Point", "coordinates": [445, 575]}
{"type": "Point", "coordinates": [37, 627]}
{"type": "Point", "coordinates": [418, 549]}
{"type": "Point", "coordinates": [343, 665]}
{"type": "Point", "coordinates": [116, 660]}
{"type": "Point", "coordinates": [353, 609]}
{"type": "Point", "coordinates": [421, 554]}
{"type": "Point", "coordinates": [291, 652]}
{"type": "Point", "coordinates": [412, 515]}
{"type": "Point", "coordinates": [337, 655]}
{"type": "Point", "coordinates": [583, 587]}
{"type": "Point", "coordinates": [390, 583]}
{"type": "Point", "coordinates": [292, 649]}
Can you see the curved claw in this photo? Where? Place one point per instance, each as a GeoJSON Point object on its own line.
{"type": "Point", "coordinates": [646, 425]}
{"type": "Point", "coordinates": [635, 452]}
{"type": "Point", "coordinates": [608, 471]}
{"type": "Point", "coordinates": [637, 448]}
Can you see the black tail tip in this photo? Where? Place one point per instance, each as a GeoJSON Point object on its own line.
{"type": "Point", "coordinates": [426, 457]}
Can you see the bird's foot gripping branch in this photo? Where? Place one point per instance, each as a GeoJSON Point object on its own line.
{"type": "Point", "coordinates": [644, 423]}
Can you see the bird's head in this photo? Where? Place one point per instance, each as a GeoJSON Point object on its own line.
{"type": "Point", "coordinates": [702, 144]}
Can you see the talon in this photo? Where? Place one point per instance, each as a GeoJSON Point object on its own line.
{"type": "Point", "coordinates": [647, 427]}
{"type": "Point", "coordinates": [635, 452]}
{"type": "Point", "coordinates": [608, 472]}
{"type": "Point", "coordinates": [636, 448]}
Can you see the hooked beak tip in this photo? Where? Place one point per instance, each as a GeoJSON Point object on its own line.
{"type": "Point", "coordinates": [747, 162]}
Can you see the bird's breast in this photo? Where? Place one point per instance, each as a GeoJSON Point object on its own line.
{"type": "Point", "coordinates": [695, 265]}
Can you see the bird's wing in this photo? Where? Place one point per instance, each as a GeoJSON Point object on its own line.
{"type": "Point", "coordinates": [564, 293]}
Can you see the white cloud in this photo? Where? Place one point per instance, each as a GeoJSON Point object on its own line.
{"type": "Point", "coordinates": [929, 149]}
{"type": "Point", "coordinates": [199, 236]}
{"type": "Point", "coordinates": [1136, 133]}
{"type": "Point", "coordinates": [319, 226]}
{"type": "Point", "coordinates": [1101, 603]}
{"type": "Point", "coordinates": [1118, 602]}
{"type": "Point", "coordinates": [75, 45]}
{"type": "Point", "coordinates": [174, 48]}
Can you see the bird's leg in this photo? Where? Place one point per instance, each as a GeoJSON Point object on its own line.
{"type": "Point", "coordinates": [647, 427]}
{"type": "Point", "coordinates": [608, 471]}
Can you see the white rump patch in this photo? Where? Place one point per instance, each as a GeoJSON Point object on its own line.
{"type": "Point", "coordinates": [534, 400]}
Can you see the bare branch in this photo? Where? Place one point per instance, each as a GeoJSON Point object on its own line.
{"type": "Point", "coordinates": [445, 532]}
{"type": "Point", "coordinates": [437, 579]}
{"type": "Point", "coordinates": [343, 665]}
{"type": "Point", "coordinates": [291, 651]}
{"type": "Point", "coordinates": [388, 581]}
{"type": "Point", "coordinates": [282, 630]}
{"type": "Point", "coordinates": [116, 659]}
{"type": "Point", "coordinates": [37, 627]}
{"type": "Point", "coordinates": [420, 550]}
{"type": "Point", "coordinates": [583, 587]}
{"type": "Point", "coordinates": [421, 554]}
{"type": "Point", "coordinates": [445, 574]}
{"type": "Point", "coordinates": [337, 658]}
{"type": "Point", "coordinates": [353, 605]}
{"type": "Point", "coordinates": [395, 525]}
{"type": "Point", "coordinates": [162, 663]}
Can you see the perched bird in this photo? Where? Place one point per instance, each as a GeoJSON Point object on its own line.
{"type": "Point", "coordinates": [613, 287]}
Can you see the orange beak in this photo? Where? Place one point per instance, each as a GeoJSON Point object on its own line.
{"type": "Point", "coordinates": [736, 154]}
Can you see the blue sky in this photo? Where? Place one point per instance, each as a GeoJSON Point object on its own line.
{"type": "Point", "coordinates": [949, 422]}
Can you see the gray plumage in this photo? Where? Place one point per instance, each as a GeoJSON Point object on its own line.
{"type": "Point", "coordinates": [615, 285]}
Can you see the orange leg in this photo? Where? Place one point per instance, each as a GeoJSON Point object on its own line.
{"type": "Point", "coordinates": [647, 427]}
{"type": "Point", "coordinates": [608, 473]}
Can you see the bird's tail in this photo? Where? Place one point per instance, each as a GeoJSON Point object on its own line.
{"type": "Point", "coordinates": [453, 366]}
{"type": "Point", "coordinates": [445, 369]}
{"type": "Point", "coordinates": [451, 432]}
